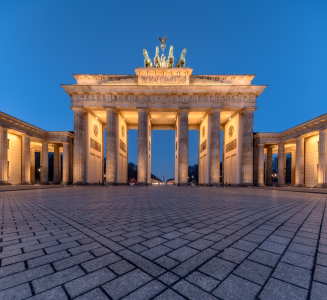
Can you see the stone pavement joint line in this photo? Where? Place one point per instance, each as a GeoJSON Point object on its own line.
{"type": "Point", "coordinates": [162, 243]}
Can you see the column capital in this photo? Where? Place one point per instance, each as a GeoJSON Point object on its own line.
{"type": "Point", "coordinates": [78, 109]}
{"type": "Point", "coordinates": [215, 110]}
{"type": "Point", "coordinates": [110, 109]}
{"type": "Point", "coordinates": [249, 109]}
{"type": "Point", "coordinates": [261, 144]}
{"type": "Point", "coordinates": [184, 109]}
{"type": "Point", "coordinates": [141, 109]}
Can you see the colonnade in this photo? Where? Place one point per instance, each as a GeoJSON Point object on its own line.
{"type": "Point", "coordinates": [28, 160]}
{"type": "Point", "coordinates": [298, 171]}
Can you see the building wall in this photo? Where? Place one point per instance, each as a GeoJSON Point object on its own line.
{"type": "Point", "coordinates": [311, 161]}
{"type": "Point", "coordinates": [233, 158]}
{"type": "Point", "coordinates": [204, 146]}
{"type": "Point", "coordinates": [122, 167]}
{"type": "Point", "coordinates": [93, 157]}
{"type": "Point", "coordinates": [15, 159]}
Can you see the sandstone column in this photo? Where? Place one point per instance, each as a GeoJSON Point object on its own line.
{"type": "Point", "coordinates": [102, 153]}
{"type": "Point", "coordinates": [3, 156]}
{"type": "Point", "coordinates": [183, 148]}
{"type": "Point", "coordinates": [223, 159]}
{"type": "Point", "coordinates": [293, 164]}
{"type": "Point", "coordinates": [269, 165]}
{"type": "Point", "coordinates": [56, 162]}
{"type": "Point", "coordinates": [142, 153]}
{"type": "Point", "coordinates": [26, 160]}
{"type": "Point", "coordinates": [255, 164]}
{"type": "Point", "coordinates": [45, 164]}
{"type": "Point", "coordinates": [322, 159]}
{"type": "Point", "coordinates": [247, 148]}
{"type": "Point", "coordinates": [65, 164]}
{"type": "Point", "coordinates": [299, 167]}
{"type": "Point", "coordinates": [78, 172]}
{"type": "Point", "coordinates": [111, 146]}
{"type": "Point", "coordinates": [281, 164]}
{"type": "Point", "coordinates": [32, 172]}
{"type": "Point", "coordinates": [261, 158]}
{"type": "Point", "coordinates": [215, 148]}
{"type": "Point", "coordinates": [71, 164]}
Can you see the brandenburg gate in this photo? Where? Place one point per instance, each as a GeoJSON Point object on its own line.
{"type": "Point", "coordinates": [163, 97]}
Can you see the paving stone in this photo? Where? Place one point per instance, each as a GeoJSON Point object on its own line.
{"type": "Point", "coordinates": [279, 239]}
{"type": "Point", "coordinates": [84, 248]}
{"type": "Point", "coordinates": [200, 244]}
{"type": "Point", "coordinates": [25, 276]}
{"type": "Point", "coordinates": [273, 247]}
{"type": "Point", "coordinates": [176, 243]}
{"type": "Point", "coordinates": [96, 294]}
{"type": "Point", "coordinates": [205, 282]}
{"type": "Point", "coordinates": [276, 289]}
{"type": "Point", "coordinates": [4, 271]}
{"type": "Point", "coordinates": [19, 292]}
{"type": "Point", "coordinates": [121, 267]}
{"type": "Point", "coordinates": [72, 260]}
{"type": "Point", "coordinates": [138, 248]}
{"type": "Point", "coordinates": [297, 259]}
{"type": "Point", "coordinates": [125, 284]}
{"type": "Point", "coordinates": [147, 291]}
{"type": "Point", "coordinates": [191, 292]}
{"type": "Point", "coordinates": [264, 257]}
{"type": "Point", "coordinates": [100, 251]}
{"type": "Point", "coordinates": [293, 274]}
{"type": "Point", "coordinates": [89, 281]}
{"type": "Point", "coordinates": [166, 262]}
{"type": "Point", "coordinates": [168, 278]}
{"type": "Point", "coordinates": [245, 245]}
{"type": "Point", "coordinates": [156, 252]}
{"type": "Point", "coordinates": [304, 249]}
{"type": "Point", "coordinates": [233, 255]}
{"type": "Point", "coordinates": [253, 271]}
{"type": "Point", "coordinates": [318, 291]}
{"type": "Point", "coordinates": [56, 293]}
{"type": "Point", "coordinates": [320, 274]}
{"type": "Point", "coordinates": [56, 279]}
{"type": "Point", "coordinates": [169, 295]}
{"type": "Point", "coordinates": [21, 257]}
{"type": "Point", "coordinates": [45, 259]}
{"type": "Point", "coordinates": [173, 235]}
{"type": "Point", "coordinates": [236, 288]}
{"type": "Point", "coordinates": [61, 247]}
{"type": "Point", "coordinates": [100, 262]}
{"type": "Point", "coordinates": [182, 253]}
{"type": "Point", "coordinates": [217, 268]}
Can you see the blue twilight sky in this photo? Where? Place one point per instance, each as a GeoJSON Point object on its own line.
{"type": "Point", "coordinates": [44, 42]}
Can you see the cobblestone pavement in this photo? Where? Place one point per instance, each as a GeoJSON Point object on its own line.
{"type": "Point", "coordinates": [162, 243]}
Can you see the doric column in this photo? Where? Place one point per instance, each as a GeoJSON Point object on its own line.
{"type": "Point", "coordinates": [223, 158]}
{"type": "Point", "coordinates": [293, 164]}
{"type": "Point", "coordinates": [255, 164]}
{"type": "Point", "coordinates": [322, 159]}
{"type": "Point", "coordinates": [183, 148]}
{"type": "Point", "coordinates": [78, 146]}
{"type": "Point", "coordinates": [111, 146]}
{"type": "Point", "coordinates": [32, 172]}
{"type": "Point", "coordinates": [71, 163]}
{"type": "Point", "coordinates": [26, 160]}
{"type": "Point", "coordinates": [247, 147]}
{"type": "Point", "coordinates": [45, 164]}
{"type": "Point", "coordinates": [281, 164]}
{"type": "Point", "coordinates": [102, 152]}
{"type": "Point", "coordinates": [3, 156]}
{"type": "Point", "coordinates": [65, 164]}
{"type": "Point", "coordinates": [261, 159]}
{"type": "Point", "coordinates": [299, 167]}
{"type": "Point", "coordinates": [142, 153]}
{"type": "Point", "coordinates": [269, 165]}
{"type": "Point", "coordinates": [56, 154]}
{"type": "Point", "coordinates": [215, 148]}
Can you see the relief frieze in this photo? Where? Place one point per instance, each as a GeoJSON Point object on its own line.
{"type": "Point", "coordinates": [162, 79]}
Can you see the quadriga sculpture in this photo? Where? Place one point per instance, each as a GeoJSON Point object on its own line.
{"type": "Point", "coordinates": [147, 61]}
{"type": "Point", "coordinates": [181, 62]}
{"type": "Point", "coordinates": [171, 57]}
{"type": "Point", "coordinates": [157, 58]}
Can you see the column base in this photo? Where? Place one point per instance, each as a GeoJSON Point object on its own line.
{"type": "Point", "coordinates": [280, 185]}
{"type": "Point", "coordinates": [322, 185]}
{"type": "Point", "coordinates": [183, 184]}
{"type": "Point", "coordinates": [44, 183]}
{"type": "Point", "coordinates": [298, 185]}
{"type": "Point", "coordinates": [246, 184]}
{"type": "Point", "coordinates": [261, 185]}
{"type": "Point", "coordinates": [5, 183]}
{"type": "Point", "coordinates": [110, 183]}
{"type": "Point", "coordinates": [25, 183]}
{"type": "Point", "coordinates": [142, 184]}
{"type": "Point", "coordinates": [215, 184]}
